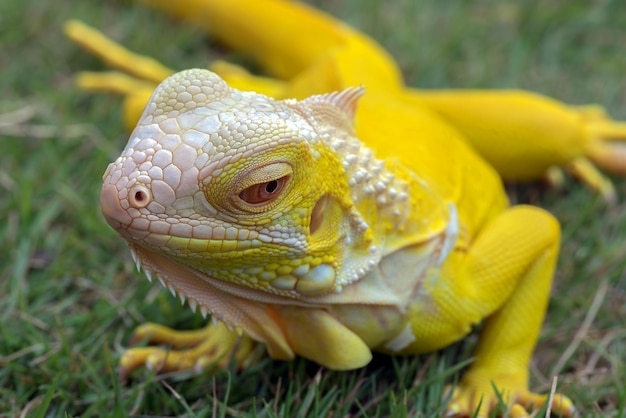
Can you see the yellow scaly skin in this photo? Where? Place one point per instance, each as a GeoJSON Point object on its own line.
{"type": "Point", "coordinates": [494, 270]}
{"type": "Point", "coordinates": [276, 219]}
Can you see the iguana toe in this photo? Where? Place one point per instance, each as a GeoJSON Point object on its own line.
{"type": "Point", "coordinates": [481, 402]}
{"type": "Point", "coordinates": [183, 350]}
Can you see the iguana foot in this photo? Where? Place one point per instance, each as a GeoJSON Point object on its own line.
{"type": "Point", "coordinates": [604, 146]}
{"type": "Point", "coordinates": [476, 397]}
{"type": "Point", "coordinates": [184, 350]}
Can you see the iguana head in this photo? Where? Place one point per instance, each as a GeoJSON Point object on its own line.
{"type": "Point", "coordinates": [242, 189]}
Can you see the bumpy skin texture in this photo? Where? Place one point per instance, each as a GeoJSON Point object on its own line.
{"type": "Point", "coordinates": [287, 225]}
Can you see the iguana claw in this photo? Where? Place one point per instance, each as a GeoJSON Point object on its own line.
{"type": "Point", "coordinates": [468, 401]}
{"type": "Point", "coordinates": [211, 346]}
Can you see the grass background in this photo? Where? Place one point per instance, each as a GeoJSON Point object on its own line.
{"type": "Point", "coordinates": [69, 297]}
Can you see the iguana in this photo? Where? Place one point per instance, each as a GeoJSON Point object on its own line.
{"type": "Point", "coordinates": [395, 238]}
{"type": "Point", "coordinates": [315, 239]}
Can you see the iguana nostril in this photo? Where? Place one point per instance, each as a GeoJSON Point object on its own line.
{"type": "Point", "coordinates": [139, 197]}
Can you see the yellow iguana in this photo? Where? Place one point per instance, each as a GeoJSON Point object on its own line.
{"type": "Point", "coordinates": [320, 239]}
{"type": "Point", "coordinates": [275, 219]}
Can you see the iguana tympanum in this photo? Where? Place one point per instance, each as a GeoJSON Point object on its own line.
{"type": "Point", "coordinates": [303, 232]}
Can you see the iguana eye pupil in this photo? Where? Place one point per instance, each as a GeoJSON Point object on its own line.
{"type": "Point", "coordinates": [262, 193]}
{"type": "Point", "coordinates": [271, 186]}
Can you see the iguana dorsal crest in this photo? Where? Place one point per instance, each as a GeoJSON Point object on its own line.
{"type": "Point", "coordinates": [334, 109]}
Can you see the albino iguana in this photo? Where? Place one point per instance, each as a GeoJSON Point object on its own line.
{"type": "Point", "coordinates": [285, 223]}
{"type": "Point", "coordinates": [523, 135]}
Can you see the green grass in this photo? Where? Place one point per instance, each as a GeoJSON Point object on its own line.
{"type": "Point", "coordinates": [69, 295]}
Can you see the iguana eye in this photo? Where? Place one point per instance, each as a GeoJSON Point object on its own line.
{"type": "Point", "coordinates": [258, 189]}
{"type": "Point", "coordinates": [261, 193]}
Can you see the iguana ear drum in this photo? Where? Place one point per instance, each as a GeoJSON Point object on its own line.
{"type": "Point", "coordinates": [327, 218]}
{"type": "Point", "coordinates": [317, 214]}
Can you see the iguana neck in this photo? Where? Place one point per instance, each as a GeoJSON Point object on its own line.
{"type": "Point", "coordinates": [391, 199]}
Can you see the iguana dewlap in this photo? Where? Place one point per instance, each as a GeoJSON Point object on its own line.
{"type": "Point", "coordinates": [279, 220]}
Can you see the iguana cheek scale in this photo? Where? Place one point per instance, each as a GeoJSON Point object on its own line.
{"type": "Point", "coordinates": [276, 219]}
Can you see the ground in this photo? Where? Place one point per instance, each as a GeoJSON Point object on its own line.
{"type": "Point", "coordinates": [69, 294]}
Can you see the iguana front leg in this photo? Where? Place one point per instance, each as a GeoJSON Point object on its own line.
{"type": "Point", "coordinates": [505, 276]}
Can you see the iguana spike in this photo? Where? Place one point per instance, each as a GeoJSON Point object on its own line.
{"type": "Point", "coordinates": [324, 107]}
{"type": "Point", "coordinates": [347, 99]}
